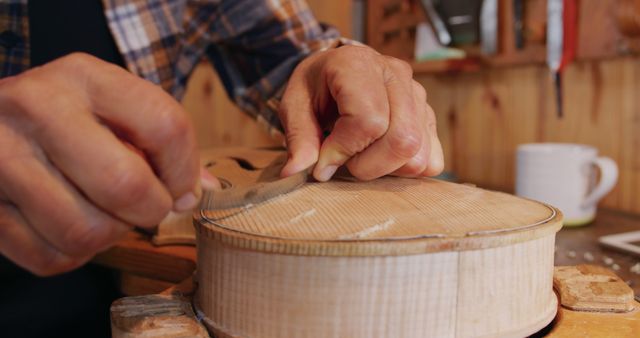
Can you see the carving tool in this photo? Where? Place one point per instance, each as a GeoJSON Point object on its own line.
{"type": "Point", "coordinates": [438, 25]}
{"type": "Point", "coordinates": [489, 27]}
{"type": "Point", "coordinates": [561, 41]}
{"type": "Point", "coordinates": [217, 204]}
{"type": "Point", "coordinates": [518, 23]}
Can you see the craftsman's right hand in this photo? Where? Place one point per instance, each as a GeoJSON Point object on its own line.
{"type": "Point", "coordinates": [86, 151]}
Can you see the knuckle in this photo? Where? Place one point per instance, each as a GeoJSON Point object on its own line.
{"type": "Point", "coordinates": [434, 168]}
{"type": "Point", "coordinates": [400, 65]}
{"type": "Point", "coordinates": [415, 167]}
{"type": "Point", "coordinates": [432, 124]}
{"type": "Point", "coordinates": [355, 58]}
{"type": "Point", "coordinates": [172, 126]}
{"type": "Point", "coordinates": [76, 60]}
{"type": "Point", "coordinates": [127, 184]}
{"type": "Point", "coordinates": [419, 91]}
{"type": "Point", "coordinates": [406, 144]}
{"type": "Point", "coordinates": [352, 53]}
{"type": "Point", "coordinates": [374, 126]}
{"type": "Point", "coordinates": [18, 92]}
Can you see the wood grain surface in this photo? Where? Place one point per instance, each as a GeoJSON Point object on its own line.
{"type": "Point", "coordinates": [245, 293]}
{"type": "Point", "coordinates": [386, 216]}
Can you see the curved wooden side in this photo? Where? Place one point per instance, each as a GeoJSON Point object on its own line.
{"type": "Point", "coordinates": [502, 291]}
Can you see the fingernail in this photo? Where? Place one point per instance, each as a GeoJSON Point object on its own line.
{"type": "Point", "coordinates": [208, 181]}
{"type": "Point", "coordinates": [325, 173]}
{"type": "Point", "coordinates": [290, 169]}
{"type": "Point", "coordinates": [186, 202]}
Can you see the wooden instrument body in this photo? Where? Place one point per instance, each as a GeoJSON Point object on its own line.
{"type": "Point", "coordinates": [389, 258]}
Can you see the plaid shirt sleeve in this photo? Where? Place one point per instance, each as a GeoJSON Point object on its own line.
{"type": "Point", "coordinates": [254, 44]}
{"type": "Point", "coordinates": [257, 44]}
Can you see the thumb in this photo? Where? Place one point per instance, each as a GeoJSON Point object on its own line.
{"type": "Point", "coordinates": [302, 131]}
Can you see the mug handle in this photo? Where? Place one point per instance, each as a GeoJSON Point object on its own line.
{"type": "Point", "coordinates": [608, 178]}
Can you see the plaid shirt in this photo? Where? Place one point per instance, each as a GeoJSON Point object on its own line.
{"type": "Point", "coordinates": [253, 44]}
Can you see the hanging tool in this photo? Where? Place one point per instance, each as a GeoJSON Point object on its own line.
{"type": "Point", "coordinates": [489, 27]}
{"type": "Point", "coordinates": [562, 30]}
{"type": "Point", "coordinates": [518, 22]}
{"type": "Point", "coordinates": [436, 21]}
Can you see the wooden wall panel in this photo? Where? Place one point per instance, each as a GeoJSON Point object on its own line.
{"type": "Point", "coordinates": [217, 120]}
{"type": "Point", "coordinates": [483, 116]}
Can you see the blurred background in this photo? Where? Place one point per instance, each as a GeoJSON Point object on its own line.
{"type": "Point", "coordinates": [490, 84]}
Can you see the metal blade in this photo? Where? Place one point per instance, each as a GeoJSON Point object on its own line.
{"type": "Point", "coordinates": [438, 25]}
{"type": "Point", "coordinates": [555, 34]}
{"type": "Point", "coordinates": [489, 27]}
{"type": "Point", "coordinates": [242, 197]}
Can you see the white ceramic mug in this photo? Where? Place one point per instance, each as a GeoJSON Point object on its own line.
{"type": "Point", "coordinates": [564, 175]}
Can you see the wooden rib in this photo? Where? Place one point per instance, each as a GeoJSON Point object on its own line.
{"type": "Point", "coordinates": [446, 294]}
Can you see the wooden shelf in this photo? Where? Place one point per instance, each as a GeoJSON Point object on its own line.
{"type": "Point", "coordinates": [448, 66]}
{"type": "Point", "coordinates": [535, 55]}
{"type": "Point", "coordinates": [602, 34]}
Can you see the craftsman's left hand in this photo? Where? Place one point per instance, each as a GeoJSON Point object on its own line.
{"type": "Point", "coordinates": [377, 115]}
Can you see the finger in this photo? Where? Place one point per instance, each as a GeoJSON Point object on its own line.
{"type": "Point", "coordinates": [148, 118]}
{"type": "Point", "coordinates": [184, 219]}
{"type": "Point", "coordinates": [404, 137]}
{"type": "Point", "coordinates": [417, 165]}
{"type": "Point", "coordinates": [23, 246]}
{"type": "Point", "coordinates": [435, 164]}
{"type": "Point", "coordinates": [361, 97]}
{"type": "Point", "coordinates": [111, 175]}
{"type": "Point", "coordinates": [56, 211]}
{"type": "Point", "coordinates": [300, 125]}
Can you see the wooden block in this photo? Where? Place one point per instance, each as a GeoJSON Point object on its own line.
{"type": "Point", "coordinates": [592, 288]}
{"type": "Point", "coordinates": [169, 316]}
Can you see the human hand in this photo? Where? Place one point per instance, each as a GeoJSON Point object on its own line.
{"type": "Point", "coordinates": [377, 115]}
{"type": "Point", "coordinates": [86, 151]}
